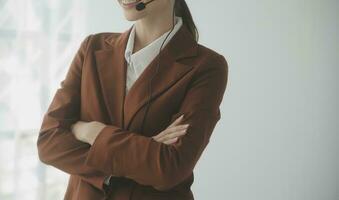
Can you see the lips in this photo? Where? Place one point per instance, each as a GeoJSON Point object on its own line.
{"type": "Point", "coordinates": [128, 4]}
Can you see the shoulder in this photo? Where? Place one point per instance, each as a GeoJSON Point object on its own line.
{"type": "Point", "coordinates": [207, 54]}
{"type": "Point", "coordinates": [209, 74]}
{"type": "Point", "coordinates": [209, 60]}
{"type": "Point", "coordinates": [101, 40]}
{"type": "Point", "coordinates": [105, 36]}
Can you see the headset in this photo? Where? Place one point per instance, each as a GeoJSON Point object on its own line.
{"type": "Point", "coordinates": [139, 7]}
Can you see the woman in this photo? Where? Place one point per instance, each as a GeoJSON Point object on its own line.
{"type": "Point", "coordinates": [117, 134]}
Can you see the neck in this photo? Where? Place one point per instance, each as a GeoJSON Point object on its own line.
{"type": "Point", "coordinates": [151, 27]}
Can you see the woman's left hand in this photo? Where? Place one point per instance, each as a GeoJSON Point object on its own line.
{"type": "Point", "coordinates": [87, 131]}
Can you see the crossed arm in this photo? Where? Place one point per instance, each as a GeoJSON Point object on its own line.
{"type": "Point", "coordinates": [56, 144]}
{"type": "Point", "coordinates": [120, 152]}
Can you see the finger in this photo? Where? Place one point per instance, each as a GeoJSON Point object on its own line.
{"type": "Point", "coordinates": [178, 127]}
{"type": "Point", "coordinates": [162, 133]}
{"type": "Point", "coordinates": [171, 141]}
{"type": "Point", "coordinates": [171, 130]}
{"type": "Point", "coordinates": [177, 121]}
{"type": "Point", "coordinates": [173, 135]}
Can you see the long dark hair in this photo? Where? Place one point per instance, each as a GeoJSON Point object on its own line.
{"type": "Point", "coordinates": [181, 9]}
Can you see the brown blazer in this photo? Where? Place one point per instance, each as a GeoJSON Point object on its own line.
{"type": "Point", "coordinates": [191, 80]}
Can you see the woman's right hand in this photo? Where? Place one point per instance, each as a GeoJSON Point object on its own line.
{"type": "Point", "coordinates": [171, 134]}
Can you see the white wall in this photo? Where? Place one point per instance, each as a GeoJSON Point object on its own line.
{"type": "Point", "coordinates": [278, 136]}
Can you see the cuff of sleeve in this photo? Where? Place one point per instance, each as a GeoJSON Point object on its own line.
{"type": "Point", "coordinates": [96, 180]}
{"type": "Point", "coordinates": [98, 155]}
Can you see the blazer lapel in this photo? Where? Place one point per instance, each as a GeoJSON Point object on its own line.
{"type": "Point", "coordinates": [112, 73]}
{"type": "Point", "coordinates": [111, 68]}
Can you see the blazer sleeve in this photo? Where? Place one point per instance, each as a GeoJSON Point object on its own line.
{"type": "Point", "coordinates": [56, 144]}
{"type": "Point", "coordinates": [148, 162]}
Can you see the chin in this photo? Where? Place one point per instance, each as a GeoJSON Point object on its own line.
{"type": "Point", "coordinates": [133, 16]}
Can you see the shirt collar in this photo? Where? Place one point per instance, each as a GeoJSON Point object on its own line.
{"type": "Point", "coordinates": [145, 55]}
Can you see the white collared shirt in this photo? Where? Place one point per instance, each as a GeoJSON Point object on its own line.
{"type": "Point", "coordinates": [143, 57]}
